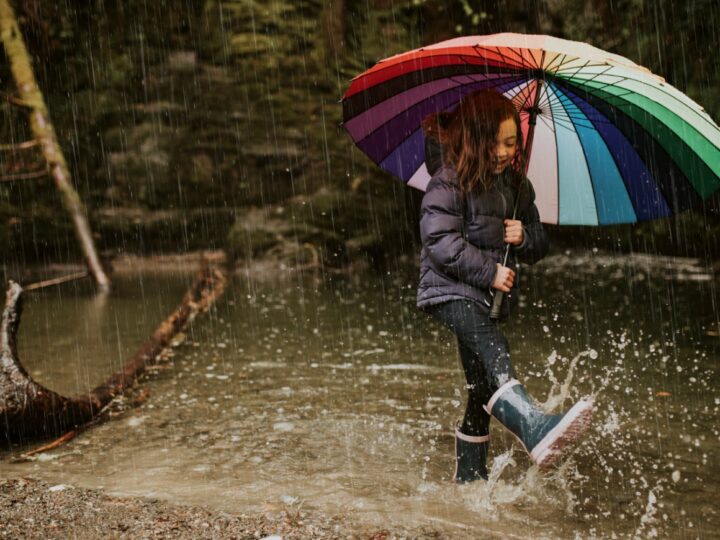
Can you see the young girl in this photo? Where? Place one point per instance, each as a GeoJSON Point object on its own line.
{"type": "Point", "coordinates": [466, 219]}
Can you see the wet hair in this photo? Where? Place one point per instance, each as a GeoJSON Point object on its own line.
{"type": "Point", "coordinates": [468, 133]}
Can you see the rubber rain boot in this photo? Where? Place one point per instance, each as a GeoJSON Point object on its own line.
{"type": "Point", "coordinates": [544, 436]}
{"type": "Point", "coordinates": [470, 457]}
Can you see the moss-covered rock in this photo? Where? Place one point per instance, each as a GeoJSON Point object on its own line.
{"type": "Point", "coordinates": [269, 231]}
{"type": "Point", "coordinates": [252, 237]}
{"type": "Point", "coordinates": [141, 230]}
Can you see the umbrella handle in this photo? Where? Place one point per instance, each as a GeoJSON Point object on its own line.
{"type": "Point", "coordinates": [497, 305]}
{"type": "Point", "coordinates": [499, 296]}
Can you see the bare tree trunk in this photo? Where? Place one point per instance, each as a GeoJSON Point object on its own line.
{"type": "Point", "coordinates": [30, 411]}
{"type": "Point", "coordinates": [43, 130]}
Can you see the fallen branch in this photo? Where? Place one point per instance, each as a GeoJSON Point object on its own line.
{"type": "Point", "coordinates": [62, 439]}
{"type": "Point", "coordinates": [30, 411]}
{"type": "Point", "coordinates": [23, 176]}
{"type": "Point", "coordinates": [56, 281]}
{"type": "Point", "coordinates": [32, 143]}
{"type": "Point", "coordinates": [70, 435]}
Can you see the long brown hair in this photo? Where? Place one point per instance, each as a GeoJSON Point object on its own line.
{"type": "Point", "coordinates": [467, 135]}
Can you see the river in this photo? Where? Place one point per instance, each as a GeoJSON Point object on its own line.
{"type": "Point", "coordinates": [335, 393]}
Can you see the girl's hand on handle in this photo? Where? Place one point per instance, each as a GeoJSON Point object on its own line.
{"type": "Point", "coordinates": [513, 232]}
{"type": "Point", "coordinates": [504, 278]}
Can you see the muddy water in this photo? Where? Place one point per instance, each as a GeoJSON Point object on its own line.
{"type": "Point", "coordinates": [339, 395]}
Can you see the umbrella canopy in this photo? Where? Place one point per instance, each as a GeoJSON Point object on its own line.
{"type": "Point", "coordinates": [612, 142]}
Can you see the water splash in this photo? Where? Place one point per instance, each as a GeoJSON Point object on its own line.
{"type": "Point", "coordinates": [648, 519]}
{"type": "Point", "coordinates": [559, 392]}
{"type": "Point", "coordinates": [532, 486]}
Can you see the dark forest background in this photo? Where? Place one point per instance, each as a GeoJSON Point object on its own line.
{"type": "Point", "coordinates": [194, 124]}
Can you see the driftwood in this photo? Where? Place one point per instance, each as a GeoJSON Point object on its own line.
{"type": "Point", "coordinates": [29, 411]}
{"type": "Point", "coordinates": [55, 281]}
{"type": "Point", "coordinates": [44, 133]}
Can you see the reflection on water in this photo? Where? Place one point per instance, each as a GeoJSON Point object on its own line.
{"type": "Point", "coordinates": [71, 339]}
{"type": "Point", "coordinates": [341, 396]}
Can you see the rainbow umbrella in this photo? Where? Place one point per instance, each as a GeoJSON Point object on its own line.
{"type": "Point", "coordinates": [607, 141]}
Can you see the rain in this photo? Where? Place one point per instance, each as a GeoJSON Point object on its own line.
{"type": "Point", "coordinates": [312, 398]}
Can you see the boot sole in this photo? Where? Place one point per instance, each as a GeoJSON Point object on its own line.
{"type": "Point", "coordinates": [570, 428]}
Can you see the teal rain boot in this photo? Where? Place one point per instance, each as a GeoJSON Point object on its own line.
{"type": "Point", "coordinates": [544, 436]}
{"type": "Point", "coordinates": [470, 457]}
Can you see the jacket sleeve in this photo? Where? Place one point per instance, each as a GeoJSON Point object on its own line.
{"type": "Point", "coordinates": [535, 243]}
{"type": "Point", "coordinates": [441, 232]}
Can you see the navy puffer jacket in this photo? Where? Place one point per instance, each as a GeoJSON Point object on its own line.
{"type": "Point", "coordinates": [462, 238]}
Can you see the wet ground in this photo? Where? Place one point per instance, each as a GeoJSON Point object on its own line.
{"type": "Point", "coordinates": [335, 395]}
{"type": "Point", "coordinates": [32, 509]}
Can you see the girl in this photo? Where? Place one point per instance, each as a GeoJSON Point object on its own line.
{"type": "Point", "coordinates": [465, 221]}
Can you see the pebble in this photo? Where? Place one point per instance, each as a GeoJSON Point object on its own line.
{"type": "Point", "coordinates": [34, 509]}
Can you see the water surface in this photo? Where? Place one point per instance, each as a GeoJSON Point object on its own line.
{"type": "Point", "coordinates": [337, 394]}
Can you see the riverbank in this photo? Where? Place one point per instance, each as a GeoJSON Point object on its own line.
{"type": "Point", "coordinates": [33, 509]}
{"type": "Point", "coordinates": [261, 269]}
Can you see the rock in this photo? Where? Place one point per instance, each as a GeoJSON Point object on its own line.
{"type": "Point", "coordinates": [182, 60]}
{"type": "Point", "coordinates": [134, 229]}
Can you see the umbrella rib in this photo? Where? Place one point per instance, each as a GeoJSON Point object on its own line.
{"type": "Point", "coordinates": [502, 55]}
{"type": "Point", "coordinates": [560, 113]}
{"type": "Point", "coordinates": [604, 85]}
{"type": "Point", "coordinates": [520, 57]}
{"type": "Point", "coordinates": [560, 116]}
{"type": "Point", "coordinates": [565, 60]}
{"type": "Point", "coordinates": [563, 118]}
{"type": "Point", "coordinates": [524, 92]}
{"type": "Point", "coordinates": [587, 64]}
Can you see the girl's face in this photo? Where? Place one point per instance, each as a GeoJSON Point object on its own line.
{"type": "Point", "coordinates": [505, 146]}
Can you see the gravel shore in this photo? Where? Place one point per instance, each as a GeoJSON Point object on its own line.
{"type": "Point", "coordinates": [33, 509]}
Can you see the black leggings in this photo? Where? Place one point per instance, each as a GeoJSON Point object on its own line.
{"type": "Point", "coordinates": [484, 353]}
